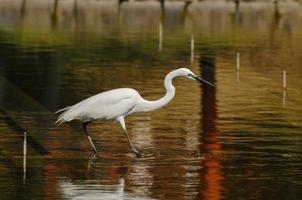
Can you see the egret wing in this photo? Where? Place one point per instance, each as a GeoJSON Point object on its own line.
{"type": "Point", "coordinates": [106, 105]}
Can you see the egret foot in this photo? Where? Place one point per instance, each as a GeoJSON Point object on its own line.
{"type": "Point", "coordinates": [137, 153]}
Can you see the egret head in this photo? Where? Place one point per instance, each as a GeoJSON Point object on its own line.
{"type": "Point", "coordinates": [189, 74]}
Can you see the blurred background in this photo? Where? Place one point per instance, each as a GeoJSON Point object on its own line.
{"type": "Point", "coordinates": [239, 140]}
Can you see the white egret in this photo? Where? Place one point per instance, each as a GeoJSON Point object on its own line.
{"type": "Point", "coordinates": [116, 104]}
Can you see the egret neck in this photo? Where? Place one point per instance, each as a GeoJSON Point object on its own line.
{"type": "Point", "coordinates": [170, 93]}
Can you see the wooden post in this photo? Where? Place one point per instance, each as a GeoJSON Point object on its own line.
{"type": "Point", "coordinates": [238, 61]}
{"type": "Point", "coordinates": [160, 45]}
{"type": "Point", "coordinates": [192, 48]}
{"type": "Point", "coordinates": [284, 88]}
{"type": "Point", "coordinates": [284, 79]}
{"type": "Point", "coordinates": [238, 66]}
{"type": "Point", "coordinates": [24, 156]}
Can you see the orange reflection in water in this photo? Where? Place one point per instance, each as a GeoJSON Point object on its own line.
{"type": "Point", "coordinates": [210, 145]}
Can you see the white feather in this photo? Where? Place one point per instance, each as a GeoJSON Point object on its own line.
{"type": "Point", "coordinates": [118, 103]}
{"type": "Point", "coordinates": [106, 105]}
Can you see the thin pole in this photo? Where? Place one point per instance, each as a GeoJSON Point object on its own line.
{"type": "Point", "coordinates": [192, 48]}
{"type": "Point", "coordinates": [284, 88]}
{"type": "Point", "coordinates": [160, 45]}
{"type": "Point", "coordinates": [284, 79]}
{"type": "Point", "coordinates": [238, 66]}
{"type": "Point", "coordinates": [24, 156]}
{"type": "Point", "coordinates": [238, 61]}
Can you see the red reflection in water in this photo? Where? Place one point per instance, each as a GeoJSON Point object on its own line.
{"type": "Point", "coordinates": [210, 143]}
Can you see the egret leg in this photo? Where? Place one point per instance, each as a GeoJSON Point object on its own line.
{"type": "Point", "coordinates": [122, 122]}
{"type": "Point", "coordinates": [89, 138]}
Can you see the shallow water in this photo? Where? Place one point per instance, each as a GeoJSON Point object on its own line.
{"type": "Point", "coordinates": [239, 140]}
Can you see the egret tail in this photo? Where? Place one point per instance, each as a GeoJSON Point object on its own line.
{"type": "Point", "coordinates": [63, 109]}
{"type": "Point", "coordinates": [62, 117]}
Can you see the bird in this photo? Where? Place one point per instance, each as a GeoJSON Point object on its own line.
{"type": "Point", "coordinates": [116, 104]}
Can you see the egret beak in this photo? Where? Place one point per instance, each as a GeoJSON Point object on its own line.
{"type": "Point", "coordinates": [201, 80]}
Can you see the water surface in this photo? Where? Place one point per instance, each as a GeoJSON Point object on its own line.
{"type": "Point", "coordinates": [241, 139]}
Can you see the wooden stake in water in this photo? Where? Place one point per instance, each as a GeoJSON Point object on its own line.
{"type": "Point", "coordinates": [238, 66]}
{"type": "Point", "coordinates": [24, 157]}
{"type": "Point", "coordinates": [238, 61]}
{"type": "Point", "coordinates": [160, 45]}
{"type": "Point", "coordinates": [192, 48]}
{"type": "Point", "coordinates": [284, 89]}
{"type": "Point", "coordinates": [284, 79]}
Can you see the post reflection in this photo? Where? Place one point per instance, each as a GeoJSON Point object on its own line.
{"type": "Point", "coordinates": [54, 15]}
{"type": "Point", "coordinates": [284, 98]}
{"type": "Point", "coordinates": [210, 142]}
{"type": "Point", "coordinates": [22, 10]}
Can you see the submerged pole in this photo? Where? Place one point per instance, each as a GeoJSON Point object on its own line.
{"type": "Point", "coordinates": [192, 48]}
{"type": "Point", "coordinates": [238, 61]}
{"type": "Point", "coordinates": [160, 34]}
{"type": "Point", "coordinates": [24, 156]}
{"type": "Point", "coordinates": [238, 66]}
{"type": "Point", "coordinates": [284, 79]}
{"type": "Point", "coordinates": [284, 88]}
